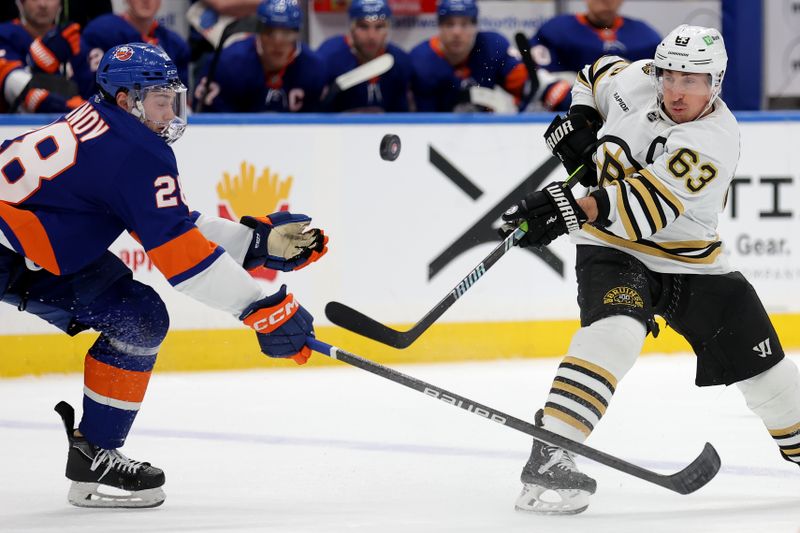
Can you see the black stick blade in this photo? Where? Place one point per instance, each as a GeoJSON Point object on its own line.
{"type": "Point", "coordinates": [696, 475]}
{"type": "Point", "coordinates": [357, 322]}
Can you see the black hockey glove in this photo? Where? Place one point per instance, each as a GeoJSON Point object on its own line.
{"type": "Point", "coordinates": [550, 213]}
{"type": "Point", "coordinates": [573, 140]}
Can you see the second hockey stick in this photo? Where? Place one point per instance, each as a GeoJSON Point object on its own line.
{"type": "Point", "coordinates": [530, 65]}
{"type": "Point", "coordinates": [689, 479]}
{"type": "Point", "coordinates": [357, 322]}
{"type": "Point", "coordinates": [362, 73]}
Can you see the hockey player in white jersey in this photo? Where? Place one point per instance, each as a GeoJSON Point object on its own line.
{"type": "Point", "coordinates": [659, 149]}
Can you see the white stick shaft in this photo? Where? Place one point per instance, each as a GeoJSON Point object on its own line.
{"type": "Point", "coordinates": [367, 71]}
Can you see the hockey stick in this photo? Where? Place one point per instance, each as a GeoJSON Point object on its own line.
{"type": "Point", "coordinates": [243, 25]}
{"type": "Point", "coordinates": [371, 69]}
{"type": "Point", "coordinates": [357, 322]}
{"type": "Point", "coordinates": [694, 476]}
{"type": "Point", "coordinates": [530, 65]}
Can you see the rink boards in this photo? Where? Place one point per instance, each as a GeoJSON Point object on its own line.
{"type": "Point", "coordinates": [404, 233]}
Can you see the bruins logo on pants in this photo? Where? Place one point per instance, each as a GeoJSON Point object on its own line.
{"type": "Point", "coordinates": [623, 296]}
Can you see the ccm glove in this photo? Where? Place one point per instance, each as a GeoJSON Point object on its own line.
{"type": "Point", "coordinates": [281, 326]}
{"type": "Point", "coordinates": [55, 47]}
{"type": "Point", "coordinates": [282, 241]}
{"type": "Point", "coordinates": [573, 140]}
{"type": "Point", "coordinates": [550, 213]}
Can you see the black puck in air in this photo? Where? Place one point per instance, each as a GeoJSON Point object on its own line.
{"type": "Point", "coordinates": [390, 147]}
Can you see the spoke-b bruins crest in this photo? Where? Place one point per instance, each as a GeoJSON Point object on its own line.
{"type": "Point", "coordinates": [623, 296]}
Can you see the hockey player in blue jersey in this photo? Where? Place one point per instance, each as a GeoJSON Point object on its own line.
{"type": "Point", "coordinates": [34, 53]}
{"type": "Point", "coordinates": [368, 39]}
{"type": "Point", "coordinates": [460, 57]}
{"type": "Point", "coordinates": [269, 71]}
{"type": "Point", "coordinates": [70, 189]}
{"type": "Point", "coordinates": [566, 43]}
{"type": "Point", "coordinates": [137, 24]}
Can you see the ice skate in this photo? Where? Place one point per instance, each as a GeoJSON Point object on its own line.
{"type": "Point", "coordinates": [552, 484]}
{"type": "Point", "coordinates": [106, 478]}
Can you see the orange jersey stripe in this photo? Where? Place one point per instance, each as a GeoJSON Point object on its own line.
{"type": "Point", "coordinates": [515, 81]}
{"type": "Point", "coordinates": [181, 253]}
{"type": "Point", "coordinates": [113, 382]}
{"type": "Point", "coordinates": [31, 235]}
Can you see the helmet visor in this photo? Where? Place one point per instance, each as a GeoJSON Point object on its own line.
{"type": "Point", "coordinates": [683, 83]}
{"type": "Point", "coordinates": [164, 109]}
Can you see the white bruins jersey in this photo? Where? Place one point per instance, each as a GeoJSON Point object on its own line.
{"type": "Point", "coordinates": [666, 182]}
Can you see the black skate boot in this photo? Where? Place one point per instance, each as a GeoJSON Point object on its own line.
{"type": "Point", "coordinates": [90, 468]}
{"type": "Point", "coordinates": [553, 469]}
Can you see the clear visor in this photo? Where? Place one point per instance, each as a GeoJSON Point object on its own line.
{"type": "Point", "coordinates": [680, 83]}
{"type": "Point", "coordinates": [163, 109]}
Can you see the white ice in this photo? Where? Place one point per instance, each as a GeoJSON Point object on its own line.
{"type": "Point", "coordinates": [341, 450]}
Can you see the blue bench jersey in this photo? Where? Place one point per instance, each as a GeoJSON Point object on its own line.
{"type": "Point", "coordinates": [107, 31]}
{"type": "Point", "coordinates": [14, 41]}
{"type": "Point", "coordinates": [570, 42]}
{"type": "Point", "coordinates": [72, 187]}
{"type": "Point", "coordinates": [14, 44]}
{"type": "Point", "coordinates": [243, 87]}
{"type": "Point", "coordinates": [437, 85]}
{"type": "Point", "coordinates": [388, 92]}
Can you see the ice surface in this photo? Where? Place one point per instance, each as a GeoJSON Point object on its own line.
{"type": "Point", "coordinates": [341, 450]}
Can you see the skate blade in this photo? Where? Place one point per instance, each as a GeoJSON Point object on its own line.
{"type": "Point", "coordinates": [539, 500]}
{"type": "Point", "coordinates": [89, 495]}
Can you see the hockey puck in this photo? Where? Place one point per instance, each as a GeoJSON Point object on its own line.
{"type": "Point", "coordinates": [390, 147]}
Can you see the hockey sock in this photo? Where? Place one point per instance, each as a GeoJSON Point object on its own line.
{"type": "Point", "coordinates": [599, 356]}
{"type": "Point", "coordinates": [774, 395]}
{"type": "Point", "coordinates": [116, 375]}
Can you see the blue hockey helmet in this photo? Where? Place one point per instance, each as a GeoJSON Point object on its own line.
{"type": "Point", "coordinates": [280, 14]}
{"type": "Point", "coordinates": [457, 8]}
{"type": "Point", "coordinates": [369, 9]}
{"type": "Point", "coordinates": [139, 69]}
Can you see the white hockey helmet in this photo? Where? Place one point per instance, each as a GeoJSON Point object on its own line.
{"type": "Point", "coordinates": [692, 49]}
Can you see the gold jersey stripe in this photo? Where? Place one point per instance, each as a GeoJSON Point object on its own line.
{"type": "Point", "coordinates": [696, 245]}
{"type": "Point", "coordinates": [791, 451]}
{"type": "Point", "coordinates": [593, 368]}
{"type": "Point", "coordinates": [782, 433]}
{"type": "Point", "coordinates": [581, 394]}
{"type": "Point", "coordinates": [582, 78]}
{"type": "Point", "coordinates": [624, 216]}
{"type": "Point", "coordinates": [596, 76]}
{"type": "Point", "coordinates": [663, 191]}
{"type": "Point", "coordinates": [651, 210]}
{"type": "Point", "coordinates": [593, 68]}
{"type": "Point", "coordinates": [649, 250]}
{"type": "Point", "coordinates": [549, 411]}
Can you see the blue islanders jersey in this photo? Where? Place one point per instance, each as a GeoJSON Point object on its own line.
{"type": "Point", "coordinates": [107, 31]}
{"type": "Point", "coordinates": [570, 42]}
{"type": "Point", "coordinates": [388, 92]}
{"type": "Point", "coordinates": [437, 85]}
{"type": "Point", "coordinates": [14, 44]}
{"type": "Point", "coordinates": [72, 187]}
{"type": "Point", "coordinates": [242, 86]}
{"type": "Point", "coordinates": [14, 41]}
